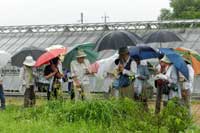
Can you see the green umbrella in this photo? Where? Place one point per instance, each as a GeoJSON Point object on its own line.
{"type": "Point", "coordinates": [88, 48]}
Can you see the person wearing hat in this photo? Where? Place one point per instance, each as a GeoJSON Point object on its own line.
{"type": "Point", "coordinates": [127, 68]}
{"type": "Point", "coordinates": [53, 74]}
{"type": "Point", "coordinates": [170, 85]}
{"type": "Point", "coordinates": [159, 69]}
{"type": "Point", "coordinates": [28, 81]}
{"type": "Point", "coordinates": [187, 84]}
{"type": "Point", "coordinates": [80, 74]}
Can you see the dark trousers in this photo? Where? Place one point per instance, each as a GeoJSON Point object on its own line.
{"type": "Point", "coordinates": [53, 93]}
{"type": "Point", "coordinates": [2, 97]}
{"type": "Point", "coordinates": [158, 100]}
{"type": "Point", "coordinates": [29, 97]}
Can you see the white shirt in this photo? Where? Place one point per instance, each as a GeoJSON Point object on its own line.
{"type": "Point", "coordinates": [133, 69]}
{"type": "Point", "coordinates": [172, 77]}
{"type": "Point", "coordinates": [25, 76]}
{"type": "Point", "coordinates": [188, 84]}
{"type": "Point", "coordinates": [79, 70]}
{"type": "Point", "coordinates": [171, 74]}
{"type": "Point", "coordinates": [142, 70]}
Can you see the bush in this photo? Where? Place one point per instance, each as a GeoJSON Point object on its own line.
{"type": "Point", "coordinates": [176, 117]}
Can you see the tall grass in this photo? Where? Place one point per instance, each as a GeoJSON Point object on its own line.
{"type": "Point", "coordinates": [95, 116]}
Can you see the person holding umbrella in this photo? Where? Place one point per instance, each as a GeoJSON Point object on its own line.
{"type": "Point", "coordinates": [52, 71]}
{"type": "Point", "coordinates": [53, 74]}
{"type": "Point", "coordinates": [169, 77]}
{"type": "Point", "coordinates": [80, 74]}
{"type": "Point", "coordinates": [187, 84]}
{"type": "Point", "coordinates": [28, 81]}
{"type": "Point", "coordinates": [127, 68]}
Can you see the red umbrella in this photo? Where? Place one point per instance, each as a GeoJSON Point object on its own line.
{"type": "Point", "coordinates": [49, 55]}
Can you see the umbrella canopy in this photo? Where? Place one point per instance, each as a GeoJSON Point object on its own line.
{"type": "Point", "coordinates": [88, 49]}
{"type": "Point", "coordinates": [117, 39]}
{"type": "Point", "coordinates": [177, 61]}
{"type": "Point", "coordinates": [143, 52]}
{"type": "Point", "coordinates": [192, 56]}
{"type": "Point", "coordinates": [57, 46]}
{"type": "Point", "coordinates": [5, 57]}
{"type": "Point", "coordinates": [19, 57]}
{"type": "Point", "coordinates": [49, 55]}
{"type": "Point", "coordinates": [107, 65]}
{"type": "Point", "coordinates": [160, 37]}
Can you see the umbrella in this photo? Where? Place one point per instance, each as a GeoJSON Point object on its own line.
{"type": "Point", "coordinates": [160, 37]}
{"type": "Point", "coordinates": [107, 65]}
{"type": "Point", "coordinates": [86, 47]}
{"type": "Point", "coordinates": [117, 39]}
{"type": "Point", "coordinates": [57, 46]}
{"type": "Point", "coordinates": [5, 57]}
{"type": "Point", "coordinates": [192, 56]}
{"type": "Point", "coordinates": [49, 55]}
{"type": "Point", "coordinates": [143, 52]}
{"type": "Point", "coordinates": [19, 57]}
{"type": "Point", "coordinates": [177, 61]}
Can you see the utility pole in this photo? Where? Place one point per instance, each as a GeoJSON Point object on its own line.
{"type": "Point", "coordinates": [105, 17]}
{"type": "Point", "coordinates": [81, 18]}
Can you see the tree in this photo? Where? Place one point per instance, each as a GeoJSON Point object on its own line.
{"type": "Point", "coordinates": [181, 9]}
{"type": "Point", "coordinates": [165, 14]}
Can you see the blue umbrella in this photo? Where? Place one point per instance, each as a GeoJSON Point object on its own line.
{"type": "Point", "coordinates": [143, 52]}
{"type": "Point", "coordinates": [177, 60]}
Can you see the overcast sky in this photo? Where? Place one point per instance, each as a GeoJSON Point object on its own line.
{"type": "Point", "coordinates": [34, 12]}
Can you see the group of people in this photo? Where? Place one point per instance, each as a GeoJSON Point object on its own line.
{"type": "Point", "coordinates": [133, 74]}
{"type": "Point", "coordinates": [53, 73]}
{"type": "Point", "coordinates": [130, 76]}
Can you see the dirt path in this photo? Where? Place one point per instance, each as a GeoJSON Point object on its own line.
{"type": "Point", "coordinates": [196, 112]}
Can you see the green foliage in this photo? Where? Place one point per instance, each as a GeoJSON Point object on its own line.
{"type": "Point", "coordinates": [181, 9]}
{"type": "Point", "coordinates": [98, 116]}
{"type": "Point", "coordinates": [176, 117]}
{"type": "Point", "coordinates": [165, 14]}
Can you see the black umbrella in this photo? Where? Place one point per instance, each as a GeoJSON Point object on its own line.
{"type": "Point", "coordinates": [161, 37]}
{"type": "Point", "coordinates": [117, 39]}
{"type": "Point", "coordinates": [18, 58]}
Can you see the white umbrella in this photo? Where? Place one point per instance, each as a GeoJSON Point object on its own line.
{"type": "Point", "coordinates": [5, 57]}
{"type": "Point", "coordinates": [52, 47]}
{"type": "Point", "coordinates": [103, 82]}
{"type": "Point", "coordinates": [106, 65]}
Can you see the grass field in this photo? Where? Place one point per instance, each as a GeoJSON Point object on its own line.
{"type": "Point", "coordinates": [96, 116]}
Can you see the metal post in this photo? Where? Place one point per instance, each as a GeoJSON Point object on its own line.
{"type": "Point", "coordinates": [81, 18]}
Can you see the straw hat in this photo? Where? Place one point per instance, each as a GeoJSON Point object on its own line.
{"type": "Point", "coordinates": [80, 53]}
{"type": "Point", "coordinates": [29, 61]}
{"type": "Point", "coordinates": [166, 60]}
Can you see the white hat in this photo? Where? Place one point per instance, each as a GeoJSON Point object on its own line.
{"type": "Point", "coordinates": [166, 60]}
{"type": "Point", "coordinates": [80, 53]}
{"type": "Point", "coordinates": [29, 61]}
